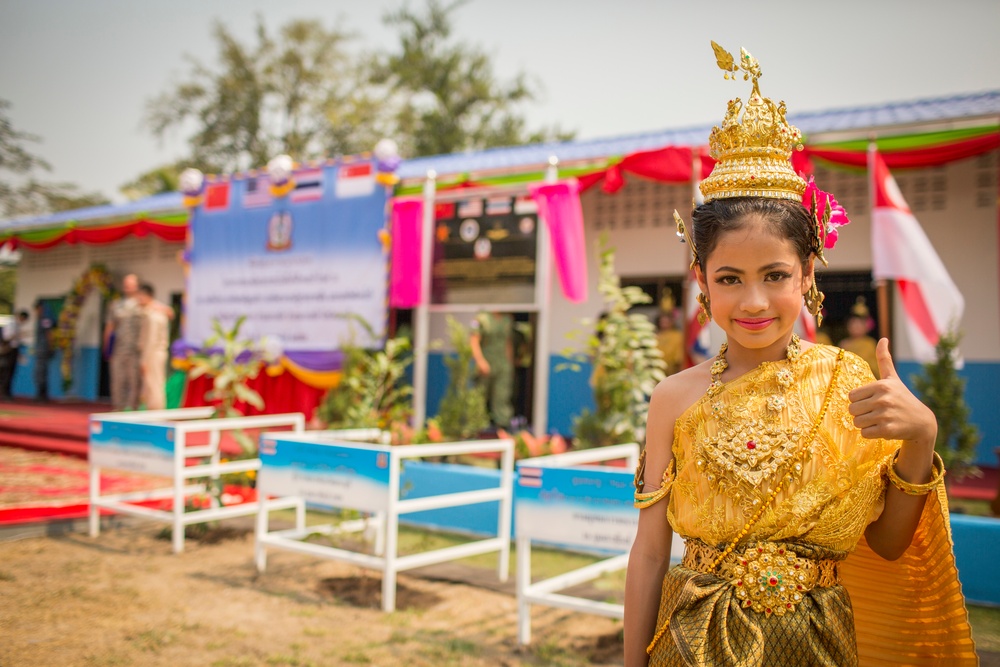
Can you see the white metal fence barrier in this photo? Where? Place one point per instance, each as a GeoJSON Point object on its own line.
{"type": "Point", "coordinates": [329, 470]}
{"type": "Point", "coordinates": [566, 502]}
{"type": "Point", "coordinates": [156, 442]}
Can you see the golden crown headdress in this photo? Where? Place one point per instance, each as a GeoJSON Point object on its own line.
{"type": "Point", "coordinates": [753, 153]}
{"type": "Point", "coordinates": [753, 159]}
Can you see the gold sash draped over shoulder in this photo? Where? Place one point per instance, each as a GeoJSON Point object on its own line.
{"type": "Point", "coordinates": [731, 450]}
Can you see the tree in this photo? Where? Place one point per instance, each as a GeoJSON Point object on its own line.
{"type": "Point", "coordinates": [444, 95]}
{"type": "Point", "coordinates": [627, 363]}
{"type": "Point", "coordinates": [298, 93]}
{"type": "Point", "coordinates": [943, 391]}
{"type": "Point", "coordinates": [21, 193]}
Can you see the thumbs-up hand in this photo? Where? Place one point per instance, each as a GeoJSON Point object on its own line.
{"type": "Point", "coordinates": [887, 409]}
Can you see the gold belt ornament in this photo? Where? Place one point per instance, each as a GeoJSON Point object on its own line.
{"type": "Point", "coordinates": [768, 577]}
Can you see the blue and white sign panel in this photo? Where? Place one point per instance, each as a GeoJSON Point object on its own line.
{"type": "Point", "coordinates": [299, 266]}
{"type": "Point", "coordinates": [576, 507]}
{"type": "Point", "coordinates": [146, 448]}
{"type": "Point", "coordinates": [342, 475]}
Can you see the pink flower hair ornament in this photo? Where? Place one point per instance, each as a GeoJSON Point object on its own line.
{"type": "Point", "coordinates": [828, 216]}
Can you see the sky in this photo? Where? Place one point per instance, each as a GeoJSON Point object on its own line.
{"type": "Point", "coordinates": [79, 73]}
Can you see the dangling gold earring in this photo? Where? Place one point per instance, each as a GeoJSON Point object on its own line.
{"type": "Point", "coordinates": [705, 315]}
{"type": "Point", "coordinates": [814, 302]}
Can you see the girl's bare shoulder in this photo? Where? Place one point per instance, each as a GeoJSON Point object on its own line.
{"type": "Point", "coordinates": [676, 393]}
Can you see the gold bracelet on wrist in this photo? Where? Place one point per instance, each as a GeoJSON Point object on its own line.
{"type": "Point", "coordinates": [916, 489]}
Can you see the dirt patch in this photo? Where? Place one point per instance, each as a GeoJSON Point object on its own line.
{"type": "Point", "coordinates": [366, 592]}
{"type": "Point", "coordinates": [125, 599]}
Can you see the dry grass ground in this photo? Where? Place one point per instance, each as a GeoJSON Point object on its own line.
{"type": "Point", "coordinates": [124, 599]}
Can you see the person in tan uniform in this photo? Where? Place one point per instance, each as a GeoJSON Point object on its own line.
{"type": "Point", "coordinates": [154, 341]}
{"type": "Point", "coordinates": [858, 341]}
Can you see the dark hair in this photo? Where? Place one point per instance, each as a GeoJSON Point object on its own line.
{"type": "Point", "coordinates": [22, 314]}
{"type": "Point", "coordinates": [786, 219]}
{"type": "Point", "coordinates": [147, 289]}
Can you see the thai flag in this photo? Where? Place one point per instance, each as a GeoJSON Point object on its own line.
{"type": "Point", "coordinates": [529, 477]}
{"type": "Point", "coordinates": [308, 185]}
{"type": "Point", "coordinates": [257, 192]}
{"type": "Point", "coordinates": [902, 252]}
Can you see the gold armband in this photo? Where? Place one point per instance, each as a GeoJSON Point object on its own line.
{"type": "Point", "coordinates": [916, 489]}
{"type": "Point", "coordinates": [644, 500]}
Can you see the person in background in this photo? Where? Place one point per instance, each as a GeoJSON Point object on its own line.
{"type": "Point", "coordinates": [858, 341]}
{"type": "Point", "coordinates": [669, 338]}
{"type": "Point", "coordinates": [121, 345]}
{"type": "Point", "coordinates": [44, 325]}
{"type": "Point", "coordinates": [10, 350]}
{"type": "Point", "coordinates": [154, 341]}
{"type": "Point", "coordinates": [492, 342]}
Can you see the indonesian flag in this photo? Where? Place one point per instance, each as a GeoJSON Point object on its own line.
{"type": "Point", "coordinates": [902, 252]}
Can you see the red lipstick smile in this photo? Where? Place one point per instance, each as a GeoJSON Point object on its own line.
{"type": "Point", "coordinates": [755, 323]}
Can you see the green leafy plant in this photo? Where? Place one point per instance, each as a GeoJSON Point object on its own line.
{"type": "Point", "coordinates": [627, 363]}
{"type": "Point", "coordinates": [373, 392]}
{"type": "Point", "coordinates": [463, 412]}
{"type": "Point", "coordinates": [943, 391]}
{"type": "Point", "coordinates": [230, 361]}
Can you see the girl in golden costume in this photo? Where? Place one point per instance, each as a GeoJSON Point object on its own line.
{"type": "Point", "coordinates": [808, 494]}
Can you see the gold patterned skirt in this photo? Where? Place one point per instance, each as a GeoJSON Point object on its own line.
{"type": "Point", "coordinates": [707, 619]}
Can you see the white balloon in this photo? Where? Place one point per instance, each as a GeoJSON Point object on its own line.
{"type": "Point", "coordinates": [191, 180]}
{"type": "Point", "coordinates": [280, 168]}
{"type": "Point", "coordinates": [386, 149]}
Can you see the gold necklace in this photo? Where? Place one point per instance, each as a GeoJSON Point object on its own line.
{"type": "Point", "coordinates": [720, 364]}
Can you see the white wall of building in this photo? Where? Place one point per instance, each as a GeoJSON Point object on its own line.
{"type": "Point", "coordinates": [51, 273]}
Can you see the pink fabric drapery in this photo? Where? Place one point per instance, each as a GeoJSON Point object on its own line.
{"type": "Point", "coordinates": [559, 206]}
{"type": "Point", "coordinates": [405, 273]}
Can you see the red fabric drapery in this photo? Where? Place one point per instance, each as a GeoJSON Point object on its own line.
{"type": "Point", "coordinates": [924, 156]}
{"type": "Point", "coordinates": [671, 164]}
{"type": "Point", "coordinates": [281, 393]}
{"type": "Point", "coordinates": [104, 235]}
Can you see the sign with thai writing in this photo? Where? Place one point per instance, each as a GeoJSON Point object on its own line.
{"type": "Point", "coordinates": [145, 448]}
{"type": "Point", "coordinates": [345, 475]}
{"type": "Point", "coordinates": [585, 506]}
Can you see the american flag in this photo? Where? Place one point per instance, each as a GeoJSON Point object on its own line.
{"type": "Point", "coordinates": [257, 192]}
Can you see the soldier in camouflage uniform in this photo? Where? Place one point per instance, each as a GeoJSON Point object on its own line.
{"type": "Point", "coordinates": [493, 349]}
{"type": "Point", "coordinates": [124, 320]}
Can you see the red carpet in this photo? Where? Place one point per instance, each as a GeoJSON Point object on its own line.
{"type": "Point", "coordinates": [42, 486]}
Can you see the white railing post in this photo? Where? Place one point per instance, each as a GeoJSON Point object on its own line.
{"type": "Point", "coordinates": [421, 320]}
{"type": "Point", "coordinates": [179, 479]}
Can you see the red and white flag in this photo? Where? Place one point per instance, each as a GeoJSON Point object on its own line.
{"type": "Point", "coordinates": [902, 252]}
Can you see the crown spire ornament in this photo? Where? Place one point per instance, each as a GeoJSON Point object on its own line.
{"type": "Point", "coordinates": [752, 153]}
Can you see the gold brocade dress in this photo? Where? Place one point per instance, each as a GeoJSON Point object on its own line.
{"type": "Point", "coordinates": [730, 448]}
